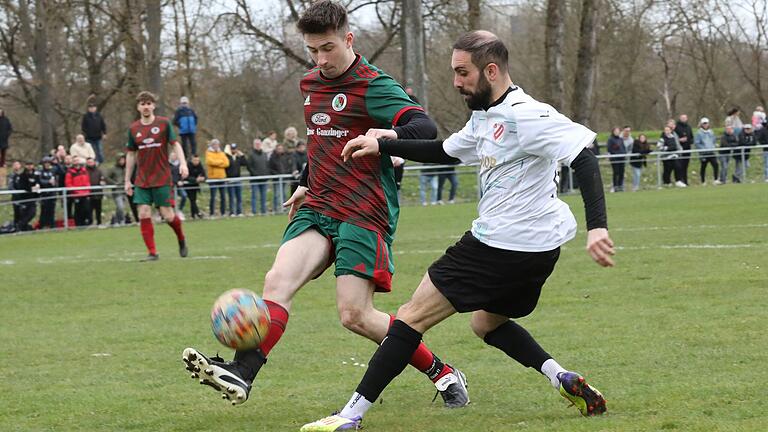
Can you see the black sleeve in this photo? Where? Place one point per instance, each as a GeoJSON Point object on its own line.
{"type": "Point", "coordinates": [415, 124]}
{"type": "Point", "coordinates": [587, 172]}
{"type": "Point", "coordinates": [304, 178]}
{"type": "Point", "coordinates": [417, 150]}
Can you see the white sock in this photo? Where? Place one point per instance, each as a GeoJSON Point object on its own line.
{"type": "Point", "coordinates": [551, 368]}
{"type": "Point", "coordinates": [356, 407]}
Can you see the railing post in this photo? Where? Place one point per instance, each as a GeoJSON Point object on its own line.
{"type": "Point", "coordinates": [66, 212]}
{"type": "Point", "coordinates": [658, 170]}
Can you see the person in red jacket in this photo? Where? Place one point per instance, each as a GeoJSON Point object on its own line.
{"type": "Point", "coordinates": [77, 176]}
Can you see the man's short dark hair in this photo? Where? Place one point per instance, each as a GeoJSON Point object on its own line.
{"type": "Point", "coordinates": [146, 96]}
{"type": "Point", "coordinates": [485, 49]}
{"type": "Point", "coordinates": [324, 16]}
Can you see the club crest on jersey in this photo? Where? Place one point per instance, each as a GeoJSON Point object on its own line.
{"type": "Point", "coordinates": [155, 130]}
{"type": "Point", "coordinates": [321, 119]}
{"type": "Point", "coordinates": [498, 131]}
{"type": "Point", "coordinates": [339, 102]}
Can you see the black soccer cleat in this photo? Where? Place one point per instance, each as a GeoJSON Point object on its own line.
{"type": "Point", "coordinates": [224, 377]}
{"type": "Point", "coordinates": [453, 389]}
{"type": "Point", "coordinates": [183, 251]}
{"type": "Point", "coordinates": [151, 257]}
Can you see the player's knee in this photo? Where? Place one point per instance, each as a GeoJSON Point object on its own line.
{"type": "Point", "coordinates": [353, 319]}
{"type": "Point", "coordinates": [481, 326]}
{"type": "Point", "coordinates": [272, 286]}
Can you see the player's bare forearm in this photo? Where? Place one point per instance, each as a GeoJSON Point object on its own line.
{"type": "Point", "coordinates": [130, 163]}
{"type": "Point", "coordinates": [183, 169]}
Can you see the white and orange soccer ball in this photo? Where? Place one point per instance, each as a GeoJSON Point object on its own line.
{"type": "Point", "coordinates": [240, 319]}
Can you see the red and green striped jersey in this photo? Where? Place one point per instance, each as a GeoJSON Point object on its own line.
{"type": "Point", "coordinates": [361, 191]}
{"type": "Point", "coordinates": [152, 144]}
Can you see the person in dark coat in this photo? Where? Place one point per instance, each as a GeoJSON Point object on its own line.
{"type": "Point", "coordinates": [280, 162]}
{"type": "Point", "coordinates": [47, 178]}
{"type": "Point", "coordinates": [618, 159]}
{"type": "Point", "coordinates": [235, 188]}
{"type": "Point", "coordinates": [196, 176]}
{"type": "Point", "coordinates": [5, 133]}
{"type": "Point", "coordinates": [685, 137]}
{"type": "Point", "coordinates": [96, 178]}
{"type": "Point", "coordinates": [299, 162]}
{"type": "Point", "coordinates": [28, 182]}
{"type": "Point", "coordinates": [258, 165]}
{"type": "Point", "coordinates": [94, 129]}
{"type": "Point", "coordinates": [640, 148]}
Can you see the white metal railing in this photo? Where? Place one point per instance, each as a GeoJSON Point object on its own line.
{"type": "Point", "coordinates": [411, 170]}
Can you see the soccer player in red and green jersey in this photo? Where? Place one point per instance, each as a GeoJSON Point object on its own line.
{"type": "Point", "coordinates": [150, 139]}
{"type": "Point", "coordinates": [343, 213]}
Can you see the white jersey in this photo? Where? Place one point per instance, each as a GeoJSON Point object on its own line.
{"type": "Point", "coordinates": [519, 143]}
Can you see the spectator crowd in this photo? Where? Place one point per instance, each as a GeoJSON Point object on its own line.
{"type": "Point", "coordinates": [82, 167]}
{"type": "Point", "coordinates": [679, 144]}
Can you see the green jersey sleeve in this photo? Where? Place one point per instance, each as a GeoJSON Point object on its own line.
{"type": "Point", "coordinates": [130, 145]}
{"type": "Point", "coordinates": [386, 101]}
{"type": "Point", "coordinates": [171, 133]}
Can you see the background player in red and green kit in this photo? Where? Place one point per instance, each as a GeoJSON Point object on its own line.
{"type": "Point", "coordinates": [150, 139]}
{"type": "Point", "coordinates": [343, 213]}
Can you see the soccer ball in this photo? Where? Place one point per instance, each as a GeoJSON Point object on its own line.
{"type": "Point", "coordinates": [240, 319]}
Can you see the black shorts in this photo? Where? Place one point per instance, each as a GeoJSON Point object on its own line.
{"type": "Point", "coordinates": [474, 276]}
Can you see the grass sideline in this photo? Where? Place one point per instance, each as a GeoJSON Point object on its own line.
{"type": "Point", "coordinates": [674, 336]}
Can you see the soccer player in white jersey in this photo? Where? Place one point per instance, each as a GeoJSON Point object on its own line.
{"type": "Point", "coordinates": [497, 269]}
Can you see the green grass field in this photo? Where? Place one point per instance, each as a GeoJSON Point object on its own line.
{"type": "Point", "coordinates": [674, 335]}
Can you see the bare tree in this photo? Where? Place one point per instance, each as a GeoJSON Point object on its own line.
{"type": "Point", "coordinates": [585, 69]}
{"type": "Point", "coordinates": [412, 42]}
{"type": "Point", "coordinates": [154, 31]}
{"type": "Point", "coordinates": [553, 47]}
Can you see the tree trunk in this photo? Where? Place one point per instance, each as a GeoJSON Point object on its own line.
{"type": "Point", "coordinates": [44, 92]}
{"type": "Point", "coordinates": [585, 69]}
{"type": "Point", "coordinates": [154, 31]}
{"type": "Point", "coordinates": [412, 43]}
{"type": "Point", "coordinates": [134, 51]}
{"type": "Point", "coordinates": [473, 15]}
{"type": "Point", "coordinates": [553, 47]}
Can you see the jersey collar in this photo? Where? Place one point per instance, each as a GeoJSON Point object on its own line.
{"type": "Point", "coordinates": [351, 67]}
{"type": "Point", "coordinates": [501, 99]}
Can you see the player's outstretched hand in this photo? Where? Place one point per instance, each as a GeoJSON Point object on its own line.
{"type": "Point", "coordinates": [295, 201]}
{"type": "Point", "coordinates": [360, 146]}
{"type": "Point", "coordinates": [128, 188]}
{"type": "Point", "coordinates": [381, 133]}
{"type": "Point", "coordinates": [600, 246]}
{"type": "Point", "coordinates": [183, 171]}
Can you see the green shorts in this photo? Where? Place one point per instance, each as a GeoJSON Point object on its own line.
{"type": "Point", "coordinates": [161, 196]}
{"type": "Point", "coordinates": [357, 251]}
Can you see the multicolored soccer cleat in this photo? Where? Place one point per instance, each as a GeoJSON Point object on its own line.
{"type": "Point", "coordinates": [585, 397]}
{"type": "Point", "coordinates": [333, 423]}
{"type": "Point", "coordinates": [224, 377]}
{"type": "Point", "coordinates": [453, 388]}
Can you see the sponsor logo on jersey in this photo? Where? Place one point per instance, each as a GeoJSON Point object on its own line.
{"type": "Point", "coordinates": [321, 119]}
{"type": "Point", "coordinates": [335, 133]}
{"type": "Point", "coordinates": [498, 131]}
{"type": "Point", "coordinates": [148, 140]}
{"type": "Point", "coordinates": [306, 101]}
{"type": "Point", "coordinates": [339, 102]}
{"type": "Point", "coordinates": [155, 130]}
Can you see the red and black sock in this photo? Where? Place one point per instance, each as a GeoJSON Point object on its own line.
{"type": "Point", "coordinates": [148, 234]}
{"type": "Point", "coordinates": [251, 361]}
{"type": "Point", "coordinates": [389, 360]}
{"type": "Point", "coordinates": [175, 224]}
{"type": "Point", "coordinates": [424, 360]}
{"type": "Point", "coordinates": [278, 321]}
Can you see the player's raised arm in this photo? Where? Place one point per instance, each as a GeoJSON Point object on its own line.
{"type": "Point", "coordinates": [587, 172]}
